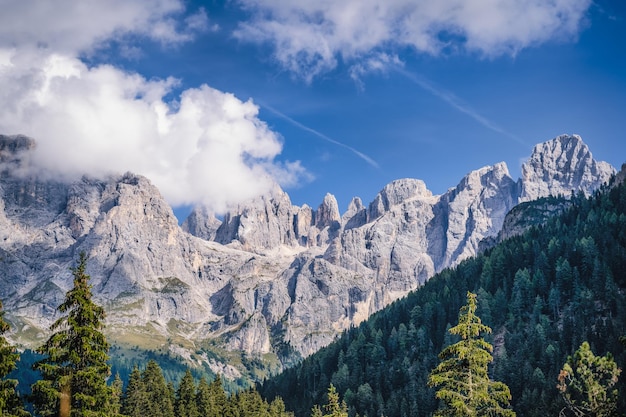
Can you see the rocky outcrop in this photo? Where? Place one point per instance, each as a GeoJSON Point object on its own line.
{"type": "Point", "coordinates": [531, 213]}
{"type": "Point", "coordinates": [473, 211]}
{"type": "Point", "coordinates": [269, 274]}
{"type": "Point", "coordinates": [560, 166]}
{"type": "Point", "coordinates": [202, 223]}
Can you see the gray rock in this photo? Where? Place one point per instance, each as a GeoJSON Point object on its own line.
{"type": "Point", "coordinates": [202, 223]}
{"type": "Point", "coordinates": [561, 166]}
{"type": "Point", "coordinates": [270, 273]}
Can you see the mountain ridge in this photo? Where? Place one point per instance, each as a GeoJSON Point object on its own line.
{"type": "Point", "coordinates": [269, 274]}
{"type": "Point", "coordinates": [543, 293]}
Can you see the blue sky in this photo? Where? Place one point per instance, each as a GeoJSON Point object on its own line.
{"type": "Point", "coordinates": [214, 100]}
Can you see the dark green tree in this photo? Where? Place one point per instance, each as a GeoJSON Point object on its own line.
{"type": "Point", "coordinates": [211, 398]}
{"type": "Point", "coordinates": [587, 382]}
{"type": "Point", "coordinates": [159, 397]}
{"type": "Point", "coordinates": [186, 397]}
{"type": "Point", "coordinates": [117, 387]}
{"type": "Point", "coordinates": [10, 403]}
{"type": "Point", "coordinates": [135, 401]}
{"type": "Point", "coordinates": [75, 369]}
{"type": "Point", "coordinates": [203, 399]}
{"type": "Point", "coordinates": [462, 378]}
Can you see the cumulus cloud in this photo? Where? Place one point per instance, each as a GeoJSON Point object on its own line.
{"type": "Point", "coordinates": [203, 146]}
{"type": "Point", "coordinates": [310, 38]}
{"type": "Point", "coordinates": [207, 147]}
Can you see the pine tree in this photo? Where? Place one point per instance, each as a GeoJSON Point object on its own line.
{"type": "Point", "coordinates": [117, 387]}
{"type": "Point", "coordinates": [462, 376]}
{"type": "Point", "coordinates": [586, 384]}
{"type": "Point", "coordinates": [203, 399]}
{"type": "Point", "coordinates": [277, 408]}
{"type": "Point", "coordinates": [75, 368]}
{"type": "Point", "coordinates": [159, 399]}
{"type": "Point", "coordinates": [334, 407]}
{"type": "Point", "coordinates": [186, 397]}
{"type": "Point", "coordinates": [210, 398]}
{"type": "Point", "coordinates": [134, 403]}
{"type": "Point", "coordinates": [10, 403]}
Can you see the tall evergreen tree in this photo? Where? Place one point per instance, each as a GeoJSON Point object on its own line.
{"type": "Point", "coordinates": [134, 403]}
{"type": "Point", "coordinates": [203, 399]}
{"type": "Point", "coordinates": [334, 407]}
{"type": "Point", "coordinates": [186, 397]}
{"type": "Point", "coordinates": [117, 388]}
{"type": "Point", "coordinates": [159, 397]}
{"type": "Point", "coordinates": [462, 375]}
{"type": "Point", "coordinates": [75, 367]}
{"type": "Point", "coordinates": [277, 408]}
{"type": "Point", "coordinates": [586, 384]}
{"type": "Point", "coordinates": [10, 403]}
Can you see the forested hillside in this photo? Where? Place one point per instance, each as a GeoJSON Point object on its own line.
{"type": "Point", "coordinates": [543, 293]}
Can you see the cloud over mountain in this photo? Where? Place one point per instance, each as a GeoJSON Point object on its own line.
{"type": "Point", "coordinates": [200, 145]}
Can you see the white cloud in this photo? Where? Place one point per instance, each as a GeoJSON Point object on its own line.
{"type": "Point", "coordinates": [207, 146]}
{"type": "Point", "coordinates": [310, 37]}
{"type": "Point", "coordinates": [71, 27]}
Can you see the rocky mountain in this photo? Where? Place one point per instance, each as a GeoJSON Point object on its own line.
{"type": "Point", "coordinates": [269, 278]}
{"type": "Point", "coordinates": [561, 165]}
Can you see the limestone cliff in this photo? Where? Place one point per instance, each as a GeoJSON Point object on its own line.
{"type": "Point", "coordinates": [269, 275]}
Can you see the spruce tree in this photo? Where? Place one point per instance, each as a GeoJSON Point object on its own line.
{"type": "Point", "coordinates": [134, 403]}
{"type": "Point", "coordinates": [186, 397]}
{"type": "Point", "coordinates": [10, 403]}
{"type": "Point", "coordinates": [334, 407]}
{"type": "Point", "coordinates": [75, 369]}
{"type": "Point", "coordinates": [117, 386]}
{"type": "Point", "coordinates": [587, 384]}
{"type": "Point", "coordinates": [158, 396]}
{"type": "Point", "coordinates": [211, 399]}
{"type": "Point", "coordinates": [462, 378]}
{"type": "Point", "coordinates": [203, 399]}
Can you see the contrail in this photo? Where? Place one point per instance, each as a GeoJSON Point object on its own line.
{"type": "Point", "coordinates": [455, 102]}
{"type": "Point", "coordinates": [321, 135]}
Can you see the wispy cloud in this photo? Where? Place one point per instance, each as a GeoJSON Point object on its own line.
{"type": "Point", "coordinates": [455, 102]}
{"type": "Point", "coordinates": [320, 135]}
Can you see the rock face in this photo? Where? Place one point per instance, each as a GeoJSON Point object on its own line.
{"type": "Point", "coordinates": [270, 276]}
{"type": "Point", "coordinates": [560, 166]}
{"type": "Point", "coordinates": [531, 213]}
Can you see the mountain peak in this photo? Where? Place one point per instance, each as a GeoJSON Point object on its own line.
{"type": "Point", "coordinates": [561, 166]}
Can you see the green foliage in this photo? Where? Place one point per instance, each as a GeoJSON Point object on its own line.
{"type": "Point", "coordinates": [159, 399]}
{"type": "Point", "coordinates": [333, 408]}
{"type": "Point", "coordinates": [543, 294]}
{"type": "Point", "coordinates": [462, 376]}
{"type": "Point", "coordinates": [147, 394]}
{"type": "Point", "coordinates": [134, 401]}
{"type": "Point", "coordinates": [210, 398]}
{"type": "Point", "coordinates": [185, 404]}
{"type": "Point", "coordinates": [10, 402]}
{"type": "Point", "coordinates": [587, 384]}
{"type": "Point", "coordinates": [117, 387]}
{"type": "Point", "coordinates": [75, 363]}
